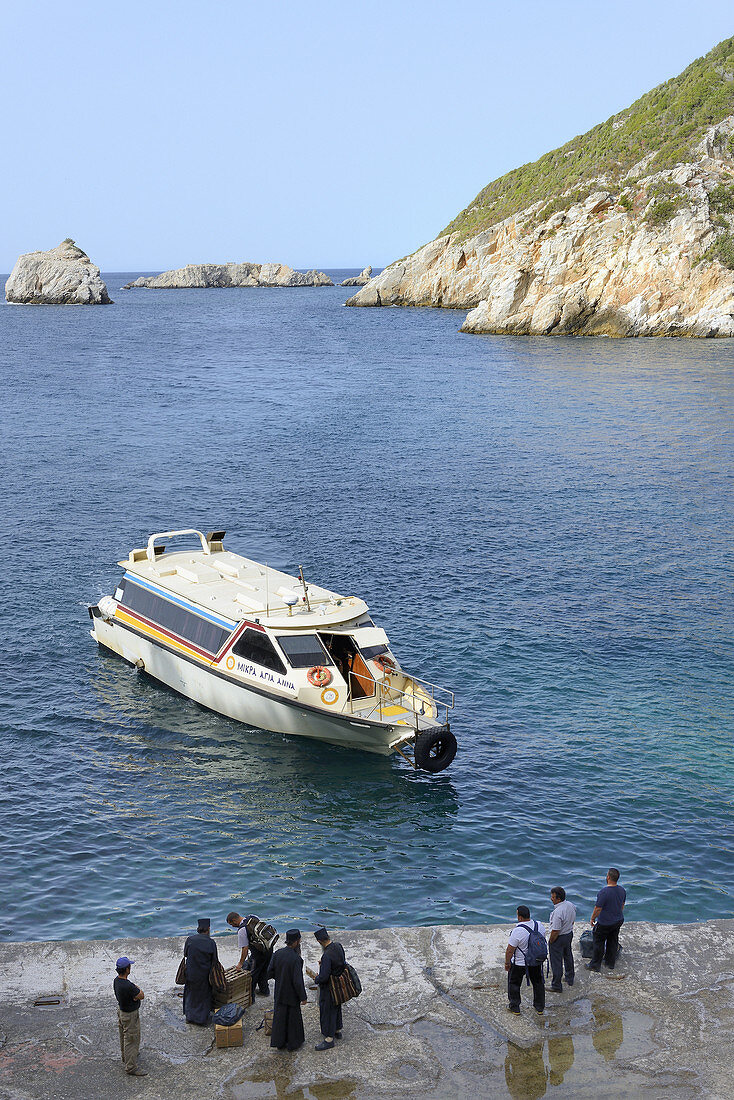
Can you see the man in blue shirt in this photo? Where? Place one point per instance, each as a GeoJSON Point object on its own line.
{"type": "Point", "coordinates": [606, 920]}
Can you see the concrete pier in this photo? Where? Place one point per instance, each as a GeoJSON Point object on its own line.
{"type": "Point", "coordinates": [432, 1022]}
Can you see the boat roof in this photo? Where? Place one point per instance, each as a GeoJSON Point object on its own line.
{"type": "Point", "coordinates": [232, 587]}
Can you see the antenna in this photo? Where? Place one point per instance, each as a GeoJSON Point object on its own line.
{"type": "Point", "coordinates": [305, 589]}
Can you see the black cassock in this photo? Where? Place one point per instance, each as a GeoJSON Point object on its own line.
{"type": "Point", "coordinates": [286, 966]}
{"type": "Point", "coordinates": [330, 1014]}
{"type": "Point", "coordinates": [200, 951]}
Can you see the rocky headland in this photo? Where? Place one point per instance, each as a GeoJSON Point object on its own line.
{"type": "Point", "coordinates": [62, 276]}
{"type": "Point", "coordinates": [228, 275]}
{"type": "Point", "coordinates": [359, 280]}
{"type": "Point", "coordinates": [432, 1023]}
{"type": "Point", "coordinates": [625, 231]}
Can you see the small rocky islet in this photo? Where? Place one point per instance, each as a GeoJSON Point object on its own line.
{"type": "Point", "coordinates": [627, 230]}
{"type": "Point", "coordinates": [62, 276]}
{"type": "Point", "coordinates": [359, 280]}
{"type": "Point", "coordinates": [205, 276]}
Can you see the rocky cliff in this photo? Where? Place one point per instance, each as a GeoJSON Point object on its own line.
{"type": "Point", "coordinates": [640, 248]}
{"type": "Point", "coordinates": [62, 276]}
{"type": "Point", "coordinates": [230, 274]}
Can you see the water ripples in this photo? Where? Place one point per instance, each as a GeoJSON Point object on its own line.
{"type": "Point", "coordinates": [543, 525]}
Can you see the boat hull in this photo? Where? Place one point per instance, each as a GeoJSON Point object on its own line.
{"type": "Point", "coordinates": [238, 701]}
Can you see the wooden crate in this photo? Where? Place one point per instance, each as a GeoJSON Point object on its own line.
{"type": "Point", "coordinates": [239, 989]}
{"type": "Point", "coordinates": [229, 1036]}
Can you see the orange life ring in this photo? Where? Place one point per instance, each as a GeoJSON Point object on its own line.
{"type": "Point", "coordinates": [319, 676]}
{"type": "Point", "coordinates": [384, 663]}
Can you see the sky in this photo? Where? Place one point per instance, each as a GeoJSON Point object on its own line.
{"type": "Point", "coordinates": [319, 134]}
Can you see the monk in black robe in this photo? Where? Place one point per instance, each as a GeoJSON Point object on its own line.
{"type": "Point", "coordinates": [286, 966]}
{"type": "Point", "coordinates": [200, 952]}
{"type": "Point", "coordinates": [330, 1014]}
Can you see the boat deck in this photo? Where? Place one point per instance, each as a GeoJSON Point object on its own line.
{"type": "Point", "coordinates": [236, 588]}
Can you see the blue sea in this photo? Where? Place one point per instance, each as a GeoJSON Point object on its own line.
{"type": "Point", "coordinates": [543, 525]}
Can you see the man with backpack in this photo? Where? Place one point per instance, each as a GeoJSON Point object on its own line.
{"type": "Point", "coordinates": [259, 957]}
{"type": "Point", "coordinates": [526, 952]}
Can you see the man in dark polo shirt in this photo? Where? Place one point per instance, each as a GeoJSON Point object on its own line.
{"type": "Point", "coordinates": [606, 920]}
{"type": "Point", "coordinates": [128, 997]}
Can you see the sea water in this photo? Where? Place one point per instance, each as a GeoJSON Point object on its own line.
{"type": "Point", "coordinates": [544, 525]}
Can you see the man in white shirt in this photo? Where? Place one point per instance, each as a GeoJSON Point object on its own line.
{"type": "Point", "coordinates": [559, 940]}
{"type": "Point", "coordinates": [259, 960]}
{"type": "Point", "coordinates": [515, 962]}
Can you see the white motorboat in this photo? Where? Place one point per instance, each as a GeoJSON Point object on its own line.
{"type": "Point", "coordinates": [270, 650]}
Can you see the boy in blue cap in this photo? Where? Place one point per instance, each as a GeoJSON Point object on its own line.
{"type": "Point", "coordinates": [128, 997]}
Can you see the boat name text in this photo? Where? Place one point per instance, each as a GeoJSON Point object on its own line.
{"type": "Point", "coordinates": [263, 674]}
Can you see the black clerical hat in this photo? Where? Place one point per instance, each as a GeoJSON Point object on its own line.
{"type": "Point", "coordinates": [321, 935]}
{"type": "Point", "coordinates": [204, 924]}
{"type": "Point", "coordinates": [292, 935]}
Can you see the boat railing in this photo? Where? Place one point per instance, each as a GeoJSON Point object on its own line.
{"type": "Point", "coordinates": [387, 695]}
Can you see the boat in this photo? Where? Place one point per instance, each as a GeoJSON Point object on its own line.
{"type": "Point", "coordinates": [270, 650]}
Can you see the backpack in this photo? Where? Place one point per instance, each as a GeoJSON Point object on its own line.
{"type": "Point", "coordinates": [262, 936]}
{"type": "Point", "coordinates": [228, 1014]}
{"type": "Point", "coordinates": [536, 951]}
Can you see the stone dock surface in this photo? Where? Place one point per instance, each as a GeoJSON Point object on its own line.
{"type": "Point", "coordinates": [432, 1022]}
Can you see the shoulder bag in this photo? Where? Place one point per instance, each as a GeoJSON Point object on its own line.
{"type": "Point", "coordinates": [217, 977]}
{"type": "Point", "coordinates": [345, 985]}
{"type": "Point", "coordinates": [181, 972]}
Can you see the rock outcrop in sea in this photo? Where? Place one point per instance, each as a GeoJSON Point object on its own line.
{"type": "Point", "coordinates": [359, 280]}
{"type": "Point", "coordinates": [230, 274]}
{"type": "Point", "coordinates": [62, 276]}
{"type": "Point", "coordinates": [626, 245]}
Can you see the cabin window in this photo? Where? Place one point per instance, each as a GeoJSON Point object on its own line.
{"type": "Point", "coordinates": [304, 650]}
{"type": "Point", "coordinates": [255, 646]}
{"type": "Point", "coordinates": [369, 652]}
{"type": "Point", "coordinates": [186, 624]}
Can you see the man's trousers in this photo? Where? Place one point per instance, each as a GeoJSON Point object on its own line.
{"type": "Point", "coordinates": [606, 944]}
{"type": "Point", "coordinates": [561, 954]}
{"type": "Point", "coordinates": [129, 1026]}
{"type": "Point", "coordinates": [515, 976]}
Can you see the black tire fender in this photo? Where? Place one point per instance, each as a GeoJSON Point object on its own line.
{"type": "Point", "coordinates": [435, 749]}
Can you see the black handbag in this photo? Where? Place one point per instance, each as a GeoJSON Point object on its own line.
{"type": "Point", "coordinates": [586, 943]}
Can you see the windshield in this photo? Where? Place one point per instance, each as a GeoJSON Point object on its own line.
{"type": "Point", "coordinates": [303, 650]}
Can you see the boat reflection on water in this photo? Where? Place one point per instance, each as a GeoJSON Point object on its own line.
{"type": "Point", "coordinates": [294, 829]}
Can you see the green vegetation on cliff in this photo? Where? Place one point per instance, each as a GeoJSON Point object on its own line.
{"type": "Point", "coordinates": [667, 122]}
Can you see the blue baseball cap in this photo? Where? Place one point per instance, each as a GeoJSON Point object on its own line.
{"type": "Point", "coordinates": [123, 962]}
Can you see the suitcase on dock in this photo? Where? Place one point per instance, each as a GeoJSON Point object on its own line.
{"type": "Point", "coordinates": [239, 989]}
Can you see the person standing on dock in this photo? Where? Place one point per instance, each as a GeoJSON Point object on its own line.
{"type": "Point", "coordinates": [286, 966]}
{"type": "Point", "coordinates": [200, 952]}
{"type": "Point", "coordinates": [520, 960]}
{"type": "Point", "coordinates": [259, 960]}
{"type": "Point", "coordinates": [606, 920]}
{"type": "Point", "coordinates": [559, 940]}
{"type": "Point", "coordinates": [333, 961]}
{"type": "Point", "coordinates": [128, 996]}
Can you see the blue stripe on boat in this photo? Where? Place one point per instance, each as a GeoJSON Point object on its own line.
{"type": "Point", "coordinates": [228, 624]}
